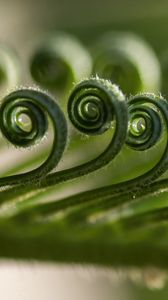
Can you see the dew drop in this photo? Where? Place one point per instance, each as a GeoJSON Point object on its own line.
{"type": "Point", "coordinates": [24, 122]}
{"type": "Point", "coordinates": [138, 126]}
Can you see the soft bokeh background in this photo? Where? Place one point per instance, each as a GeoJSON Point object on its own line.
{"type": "Point", "coordinates": [21, 23]}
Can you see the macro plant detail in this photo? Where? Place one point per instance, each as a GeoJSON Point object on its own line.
{"type": "Point", "coordinates": [113, 117]}
{"type": "Point", "coordinates": [95, 106]}
{"type": "Point", "coordinates": [32, 105]}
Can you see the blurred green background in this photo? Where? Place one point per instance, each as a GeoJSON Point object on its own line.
{"type": "Point", "coordinates": [22, 20]}
{"type": "Point", "coordinates": [21, 24]}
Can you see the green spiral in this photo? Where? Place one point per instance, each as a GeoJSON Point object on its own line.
{"type": "Point", "coordinates": [94, 106]}
{"type": "Point", "coordinates": [145, 125]}
{"type": "Point", "coordinates": [24, 121]}
{"type": "Point", "coordinates": [152, 112]}
{"type": "Point", "coordinates": [148, 121]}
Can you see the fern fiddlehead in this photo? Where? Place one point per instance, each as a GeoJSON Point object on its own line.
{"type": "Point", "coordinates": [93, 107]}
{"type": "Point", "coordinates": [96, 105]}
{"type": "Point", "coordinates": [24, 122]}
{"type": "Point", "coordinates": [147, 116]}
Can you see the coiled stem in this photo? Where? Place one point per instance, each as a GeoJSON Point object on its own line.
{"type": "Point", "coordinates": [147, 114]}
{"type": "Point", "coordinates": [145, 126]}
{"type": "Point", "coordinates": [24, 121]}
{"type": "Point", "coordinates": [152, 112]}
{"type": "Point", "coordinates": [94, 106]}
